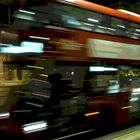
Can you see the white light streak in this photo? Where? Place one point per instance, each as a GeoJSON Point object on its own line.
{"type": "Point", "coordinates": [112, 29]}
{"type": "Point", "coordinates": [75, 134]}
{"type": "Point", "coordinates": [138, 30]}
{"type": "Point", "coordinates": [88, 24]}
{"type": "Point", "coordinates": [41, 95]}
{"type": "Point", "coordinates": [136, 34]}
{"type": "Point", "coordinates": [121, 26]}
{"type": "Point", "coordinates": [9, 34]}
{"type": "Point", "coordinates": [39, 37]}
{"type": "Point", "coordinates": [33, 127]}
{"type": "Point", "coordinates": [134, 99]}
{"type": "Point", "coordinates": [110, 69]}
{"type": "Point", "coordinates": [93, 20]}
{"type": "Point", "coordinates": [128, 12]}
{"type": "Point", "coordinates": [44, 75]}
{"type": "Point", "coordinates": [36, 67]}
{"type": "Point", "coordinates": [4, 115]}
{"type": "Point", "coordinates": [102, 27]}
{"type": "Point", "coordinates": [136, 90]}
{"type": "Point", "coordinates": [27, 12]}
{"type": "Point", "coordinates": [98, 68]}
{"type": "Point", "coordinates": [74, 22]}
{"type": "Point", "coordinates": [19, 49]}
{"type": "Point", "coordinates": [34, 104]}
{"type": "Point", "coordinates": [3, 44]}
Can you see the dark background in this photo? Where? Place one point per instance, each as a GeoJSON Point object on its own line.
{"type": "Point", "coordinates": [110, 2]}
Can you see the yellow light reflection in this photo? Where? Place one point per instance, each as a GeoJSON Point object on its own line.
{"type": "Point", "coordinates": [93, 113]}
{"type": "Point", "coordinates": [126, 107]}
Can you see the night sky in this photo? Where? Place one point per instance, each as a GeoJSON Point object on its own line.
{"type": "Point", "coordinates": [109, 2]}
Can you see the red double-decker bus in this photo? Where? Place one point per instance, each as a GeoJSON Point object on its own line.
{"type": "Point", "coordinates": [96, 51]}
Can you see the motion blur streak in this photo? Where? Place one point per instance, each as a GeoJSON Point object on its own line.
{"type": "Point", "coordinates": [93, 113]}
{"type": "Point", "coordinates": [4, 115]}
{"type": "Point", "coordinates": [33, 127]}
{"type": "Point", "coordinates": [126, 107]}
{"type": "Point", "coordinates": [74, 134]}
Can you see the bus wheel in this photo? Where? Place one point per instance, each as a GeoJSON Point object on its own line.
{"type": "Point", "coordinates": [106, 121]}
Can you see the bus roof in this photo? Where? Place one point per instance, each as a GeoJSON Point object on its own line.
{"type": "Point", "coordinates": [101, 9]}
